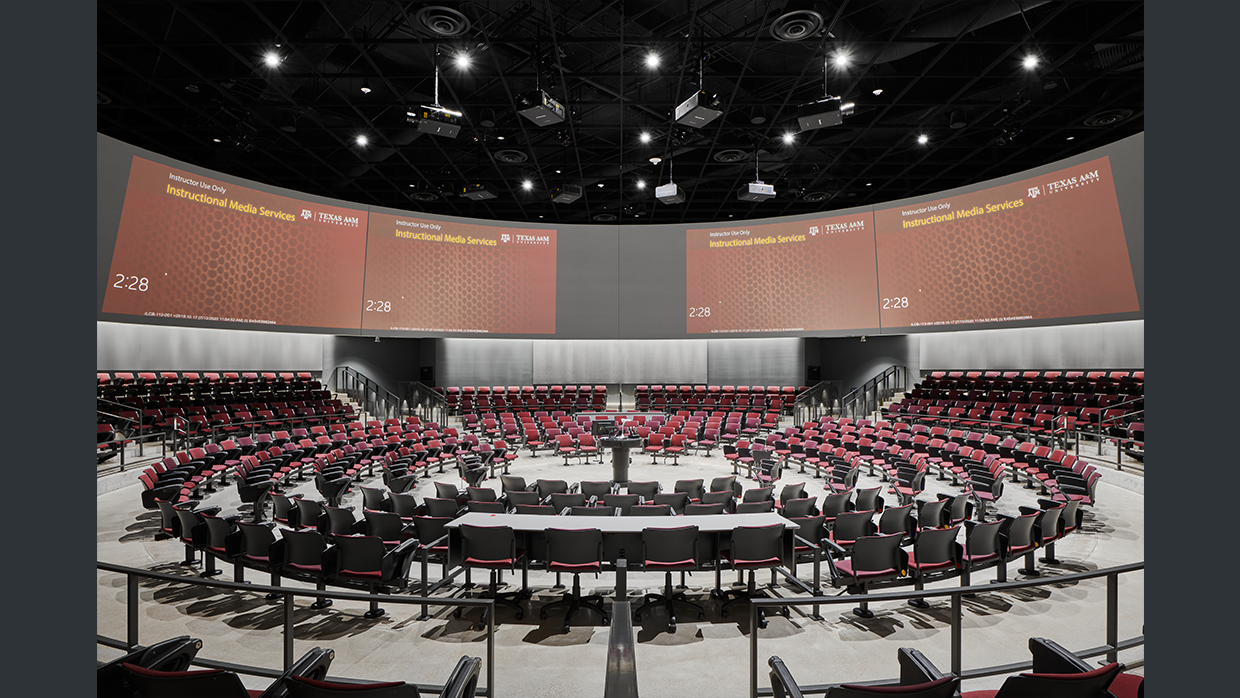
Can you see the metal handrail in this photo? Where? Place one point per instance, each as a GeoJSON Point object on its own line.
{"type": "Point", "coordinates": [820, 399]}
{"type": "Point", "coordinates": [374, 398]}
{"type": "Point", "coordinates": [424, 402]}
{"type": "Point", "coordinates": [870, 396]}
{"type": "Point", "coordinates": [131, 641]}
{"type": "Point", "coordinates": [1111, 649]}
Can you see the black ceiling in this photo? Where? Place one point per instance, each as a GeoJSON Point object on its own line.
{"type": "Point", "coordinates": [175, 76]}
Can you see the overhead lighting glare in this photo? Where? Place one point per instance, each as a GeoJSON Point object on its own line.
{"type": "Point", "coordinates": [1031, 62]}
{"type": "Point", "coordinates": [847, 108]}
{"type": "Point", "coordinates": [923, 139]}
{"type": "Point", "coordinates": [645, 137]}
{"type": "Point", "coordinates": [1071, 138]}
{"type": "Point", "coordinates": [442, 110]}
{"type": "Point", "coordinates": [462, 60]}
{"type": "Point", "coordinates": [641, 184]}
{"type": "Point", "coordinates": [362, 140]}
{"type": "Point", "coordinates": [878, 91]}
{"type": "Point", "coordinates": [841, 60]}
{"type": "Point", "coordinates": [527, 185]}
{"type": "Point", "coordinates": [790, 138]}
{"type": "Point", "coordinates": [600, 184]}
{"type": "Point", "coordinates": [272, 59]}
{"type": "Point", "coordinates": [652, 60]}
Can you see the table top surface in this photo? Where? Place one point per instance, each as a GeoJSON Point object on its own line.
{"type": "Point", "coordinates": [620, 524]}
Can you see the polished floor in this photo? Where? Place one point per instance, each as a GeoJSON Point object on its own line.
{"type": "Point", "coordinates": [534, 657]}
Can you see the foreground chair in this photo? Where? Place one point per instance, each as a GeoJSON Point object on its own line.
{"type": "Point", "coordinates": [669, 550]}
{"type": "Point", "coordinates": [217, 683]}
{"type": "Point", "coordinates": [919, 678]}
{"type": "Point", "coordinates": [493, 548]}
{"type": "Point", "coordinates": [461, 683]}
{"type": "Point", "coordinates": [176, 654]}
{"type": "Point", "coordinates": [576, 552]}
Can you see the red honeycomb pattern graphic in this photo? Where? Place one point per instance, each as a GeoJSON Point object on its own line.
{"type": "Point", "coordinates": [204, 261]}
{"type": "Point", "coordinates": [826, 283]}
{"type": "Point", "coordinates": [443, 286]}
{"type": "Point", "coordinates": [1058, 256]}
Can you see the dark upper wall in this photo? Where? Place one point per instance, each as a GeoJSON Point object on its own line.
{"type": "Point", "coordinates": [853, 362]}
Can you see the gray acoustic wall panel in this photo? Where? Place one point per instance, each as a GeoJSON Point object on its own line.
{"type": "Point", "coordinates": [484, 361]}
{"type": "Point", "coordinates": [126, 347]}
{"type": "Point", "coordinates": [1100, 345]}
{"type": "Point", "coordinates": [620, 361]}
{"type": "Point", "coordinates": [774, 361]}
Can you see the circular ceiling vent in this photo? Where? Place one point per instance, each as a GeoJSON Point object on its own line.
{"type": "Point", "coordinates": [731, 155]}
{"type": "Point", "coordinates": [511, 156]}
{"type": "Point", "coordinates": [816, 196]}
{"type": "Point", "coordinates": [604, 217]}
{"type": "Point", "coordinates": [1108, 117]}
{"type": "Point", "coordinates": [424, 196]}
{"type": "Point", "coordinates": [441, 21]}
{"type": "Point", "coordinates": [101, 99]}
{"type": "Point", "coordinates": [799, 21]}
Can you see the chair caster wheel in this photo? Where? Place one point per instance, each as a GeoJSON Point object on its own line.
{"type": "Point", "coordinates": [565, 630]}
{"type": "Point", "coordinates": [480, 626]}
{"type": "Point", "coordinates": [762, 624]}
{"type": "Point", "coordinates": [671, 628]}
{"type": "Point", "coordinates": [542, 614]}
{"type": "Point", "coordinates": [456, 613]}
{"type": "Point", "coordinates": [786, 612]}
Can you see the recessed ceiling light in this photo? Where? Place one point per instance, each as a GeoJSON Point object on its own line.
{"type": "Point", "coordinates": [923, 139]}
{"type": "Point", "coordinates": [272, 59]}
{"type": "Point", "coordinates": [645, 137]}
{"type": "Point", "coordinates": [790, 138]}
{"type": "Point", "coordinates": [641, 184]}
{"type": "Point", "coordinates": [652, 60]}
{"type": "Point", "coordinates": [600, 184]}
{"type": "Point", "coordinates": [462, 60]}
{"type": "Point", "coordinates": [216, 140]}
{"type": "Point", "coordinates": [841, 60]}
{"type": "Point", "coordinates": [557, 172]}
{"type": "Point", "coordinates": [656, 160]}
{"type": "Point", "coordinates": [868, 183]}
{"type": "Point", "coordinates": [527, 185]}
{"type": "Point", "coordinates": [1071, 138]}
{"type": "Point", "coordinates": [365, 86]}
{"type": "Point", "coordinates": [878, 92]}
{"type": "Point", "coordinates": [499, 138]}
{"type": "Point", "coordinates": [362, 140]}
{"type": "Point", "coordinates": [1031, 62]}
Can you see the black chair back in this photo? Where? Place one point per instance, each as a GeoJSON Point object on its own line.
{"type": "Point", "coordinates": [622, 502]}
{"type": "Point", "coordinates": [693, 488]}
{"type": "Point", "coordinates": [670, 548]}
{"type": "Point", "coordinates": [703, 509]}
{"type": "Point", "coordinates": [593, 511]}
{"type": "Point", "coordinates": [761, 507]}
{"type": "Point", "coordinates": [798, 508]}
{"type": "Point", "coordinates": [722, 484]}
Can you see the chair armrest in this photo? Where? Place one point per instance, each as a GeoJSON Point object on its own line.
{"type": "Point", "coordinates": [312, 665]}
{"type": "Point", "coordinates": [1049, 657]}
{"type": "Point", "coordinates": [782, 683]}
{"type": "Point", "coordinates": [916, 668]}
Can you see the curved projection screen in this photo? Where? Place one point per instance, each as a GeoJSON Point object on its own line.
{"type": "Point", "coordinates": [795, 276]}
{"type": "Point", "coordinates": [195, 248]}
{"type": "Point", "coordinates": [182, 245]}
{"type": "Point", "coordinates": [1047, 247]}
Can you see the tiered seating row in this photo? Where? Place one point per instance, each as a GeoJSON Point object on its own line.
{"type": "Point", "coordinates": [463, 400]}
{"type": "Point", "coordinates": [739, 398]}
{"type": "Point", "coordinates": [1079, 382]}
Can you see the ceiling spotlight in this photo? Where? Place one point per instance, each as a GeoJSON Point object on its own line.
{"type": "Point", "coordinates": [499, 138]}
{"type": "Point", "coordinates": [656, 160]}
{"type": "Point", "coordinates": [652, 60]}
{"type": "Point", "coordinates": [365, 86]}
{"type": "Point", "coordinates": [1031, 62]}
{"type": "Point", "coordinates": [645, 137]}
{"type": "Point", "coordinates": [841, 60]}
{"type": "Point", "coordinates": [923, 139]}
{"type": "Point", "coordinates": [527, 185]}
{"type": "Point", "coordinates": [218, 140]}
{"type": "Point", "coordinates": [600, 184]}
{"type": "Point", "coordinates": [957, 120]}
{"type": "Point", "coordinates": [272, 59]}
{"type": "Point", "coordinates": [462, 60]}
{"type": "Point", "coordinates": [878, 92]}
{"type": "Point", "coordinates": [1071, 138]}
{"type": "Point", "coordinates": [641, 184]}
{"type": "Point", "coordinates": [790, 138]}
{"type": "Point", "coordinates": [362, 140]}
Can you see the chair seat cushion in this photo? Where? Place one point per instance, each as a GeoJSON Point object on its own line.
{"type": "Point", "coordinates": [900, 690]}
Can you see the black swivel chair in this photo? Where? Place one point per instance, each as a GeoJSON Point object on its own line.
{"type": "Point", "coordinates": [669, 550]}
{"type": "Point", "coordinates": [300, 554]}
{"type": "Point", "coordinates": [217, 683]}
{"type": "Point", "coordinates": [753, 548]}
{"type": "Point", "coordinates": [873, 559]}
{"type": "Point", "coordinates": [367, 560]}
{"type": "Point", "coordinates": [934, 553]}
{"type": "Point", "coordinates": [493, 548]}
{"type": "Point", "coordinates": [575, 551]}
{"type": "Point", "coordinates": [176, 654]}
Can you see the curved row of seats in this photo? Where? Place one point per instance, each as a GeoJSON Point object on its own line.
{"type": "Point", "coordinates": [164, 669]}
{"type": "Point", "coordinates": [1054, 672]}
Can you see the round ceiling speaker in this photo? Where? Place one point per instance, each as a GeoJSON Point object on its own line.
{"type": "Point", "coordinates": [511, 156]}
{"type": "Point", "coordinates": [731, 155]}
{"type": "Point", "coordinates": [441, 21]}
{"type": "Point", "coordinates": [1108, 117]}
{"type": "Point", "coordinates": [814, 197]}
{"type": "Point", "coordinates": [604, 217]}
{"type": "Point", "coordinates": [424, 196]}
{"type": "Point", "coordinates": [799, 21]}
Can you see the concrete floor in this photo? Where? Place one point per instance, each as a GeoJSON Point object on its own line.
{"type": "Point", "coordinates": [703, 658]}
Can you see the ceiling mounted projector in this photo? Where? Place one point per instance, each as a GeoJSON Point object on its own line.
{"type": "Point", "coordinates": [756, 191]}
{"type": "Point", "coordinates": [566, 193]}
{"type": "Point", "coordinates": [700, 109]}
{"type": "Point", "coordinates": [539, 107]}
{"type": "Point", "coordinates": [477, 192]}
{"type": "Point", "coordinates": [438, 121]}
{"type": "Point", "coordinates": [669, 193]}
{"type": "Point", "coordinates": [823, 113]}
